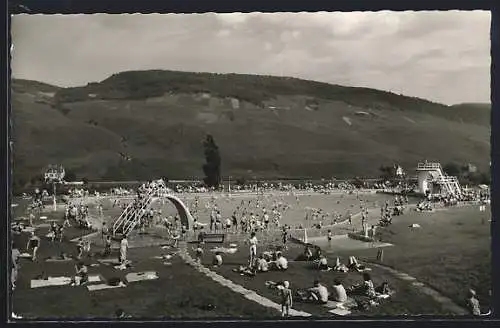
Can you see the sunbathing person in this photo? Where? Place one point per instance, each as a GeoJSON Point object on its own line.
{"type": "Point", "coordinates": [340, 267]}
{"type": "Point", "coordinates": [262, 265]}
{"type": "Point", "coordinates": [317, 253]}
{"type": "Point", "coordinates": [82, 272]}
{"type": "Point", "coordinates": [322, 263]}
{"type": "Point", "coordinates": [318, 294]}
{"type": "Point", "coordinates": [366, 288]}
{"type": "Point", "coordinates": [339, 293]}
{"type": "Point", "coordinates": [249, 271]}
{"type": "Point", "coordinates": [217, 261]}
{"type": "Point", "coordinates": [281, 263]}
{"type": "Point", "coordinates": [354, 265]}
{"type": "Point", "coordinates": [308, 253]}
{"type": "Point", "coordinates": [384, 289]}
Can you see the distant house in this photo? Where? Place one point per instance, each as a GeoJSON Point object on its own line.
{"type": "Point", "coordinates": [471, 168]}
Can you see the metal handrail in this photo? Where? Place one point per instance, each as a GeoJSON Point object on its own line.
{"type": "Point", "coordinates": [137, 216]}
{"type": "Point", "coordinates": [123, 218]}
{"type": "Point", "coordinates": [426, 166]}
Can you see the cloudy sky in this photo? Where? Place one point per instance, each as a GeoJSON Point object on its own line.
{"type": "Point", "coordinates": [441, 56]}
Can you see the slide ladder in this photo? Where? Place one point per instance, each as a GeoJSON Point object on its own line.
{"type": "Point", "coordinates": [134, 211]}
{"type": "Point", "coordinates": [434, 174]}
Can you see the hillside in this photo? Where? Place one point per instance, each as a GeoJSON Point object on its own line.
{"type": "Point", "coordinates": [135, 125]}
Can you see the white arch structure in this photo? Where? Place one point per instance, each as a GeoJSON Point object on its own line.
{"type": "Point", "coordinates": [186, 217]}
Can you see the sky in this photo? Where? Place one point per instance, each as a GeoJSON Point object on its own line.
{"type": "Point", "coordinates": [439, 56]}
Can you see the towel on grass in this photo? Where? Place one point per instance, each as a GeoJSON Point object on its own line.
{"type": "Point", "coordinates": [341, 312]}
{"type": "Point", "coordinates": [104, 286]}
{"type": "Point", "coordinates": [141, 276]}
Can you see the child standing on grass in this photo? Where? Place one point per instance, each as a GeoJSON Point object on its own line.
{"type": "Point", "coordinates": [107, 246]}
{"type": "Point", "coordinates": [286, 299]}
{"type": "Point", "coordinates": [123, 249]}
{"type": "Point", "coordinates": [33, 243]}
{"type": "Point", "coordinates": [79, 248]}
{"type": "Point", "coordinates": [473, 303]}
{"type": "Point", "coordinates": [253, 248]}
{"type": "Point", "coordinates": [199, 252]}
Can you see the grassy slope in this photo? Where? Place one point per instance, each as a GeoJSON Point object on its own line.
{"type": "Point", "coordinates": [451, 252]}
{"type": "Point", "coordinates": [159, 119]}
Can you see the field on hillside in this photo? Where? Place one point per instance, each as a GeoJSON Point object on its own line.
{"type": "Point", "coordinates": [293, 128]}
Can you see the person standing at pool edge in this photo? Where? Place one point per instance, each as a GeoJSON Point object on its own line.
{"type": "Point", "coordinates": [123, 249]}
{"type": "Point", "coordinates": [253, 248]}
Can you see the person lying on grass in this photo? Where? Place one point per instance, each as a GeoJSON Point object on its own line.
{"type": "Point", "coordinates": [354, 265]}
{"type": "Point", "coordinates": [120, 314]}
{"type": "Point", "coordinates": [340, 267]}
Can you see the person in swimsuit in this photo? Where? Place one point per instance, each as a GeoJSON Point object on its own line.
{"type": "Point", "coordinates": [253, 248]}
{"type": "Point", "coordinates": [33, 244]}
{"type": "Point", "coordinates": [286, 299]}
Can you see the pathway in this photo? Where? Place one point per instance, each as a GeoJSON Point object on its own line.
{"type": "Point", "coordinates": [446, 302]}
{"type": "Point", "coordinates": [249, 294]}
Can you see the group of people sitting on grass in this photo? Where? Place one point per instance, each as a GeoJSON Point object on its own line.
{"type": "Point", "coordinates": [265, 262]}
{"type": "Point", "coordinates": [424, 206]}
{"type": "Point", "coordinates": [361, 295]}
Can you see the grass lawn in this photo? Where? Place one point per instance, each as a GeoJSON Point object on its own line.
{"type": "Point", "coordinates": [180, 292]}
{"type": "Point", "coordinates": [406, 301]}
{"type": "Point", "coordinates": [451, 252]}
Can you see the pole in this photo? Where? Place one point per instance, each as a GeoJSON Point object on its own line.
{"type": "Point", "coordinates": [55, 201]}
{"type": "Point", "coordinates": [229, 185]}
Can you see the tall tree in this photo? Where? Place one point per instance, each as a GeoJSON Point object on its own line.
{"type": "Point", "coordinates": [212, 167]}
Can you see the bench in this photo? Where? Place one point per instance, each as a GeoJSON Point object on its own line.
{"type": "Point", "coordinates": [216, 238]}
